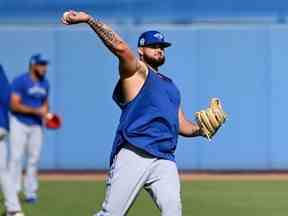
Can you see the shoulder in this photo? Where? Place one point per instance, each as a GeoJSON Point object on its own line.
{"type": "Point", "coordinates": [20, 81]}
{"type": "Point", "coordinates": [21, 78]}
{"type": "Point", "coordinates": [141, 72]}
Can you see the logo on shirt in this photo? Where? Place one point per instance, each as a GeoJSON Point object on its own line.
{"type": "Point", "coordinates": [37, 90]}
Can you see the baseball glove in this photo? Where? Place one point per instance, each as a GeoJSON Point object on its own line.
{"type": "Point", "coordinates": [53, 121]}
{"type": "Point", "coordinates": [211, 119]}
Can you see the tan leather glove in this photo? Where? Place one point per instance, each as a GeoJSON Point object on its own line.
{"type": "Point", "coordinates": [211, 119]}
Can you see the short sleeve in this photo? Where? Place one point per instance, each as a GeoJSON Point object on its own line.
{"type": "Point", "coordinates": [17, 87]}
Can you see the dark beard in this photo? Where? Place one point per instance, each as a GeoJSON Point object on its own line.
{"type": "Point", "coordinates": [154, 63]}
{"type": "Point", "coordinates": [38, 75]}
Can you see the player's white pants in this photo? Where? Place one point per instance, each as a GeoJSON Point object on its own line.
{"type": "Point", "coordinates": [133, 170]}
{"type": "Point", "coordinates": [8, 188]}
{"type": "Point", "coordinates": [25, 139]}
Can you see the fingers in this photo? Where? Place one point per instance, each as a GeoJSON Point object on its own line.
{"type": "Point", "coordinates": [64, 21]}
{"type": "Point", "coordinates": [74, 17]}
{"type": "Point", "coordinates": [66, 18]}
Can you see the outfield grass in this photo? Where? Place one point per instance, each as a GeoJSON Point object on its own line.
{"type": "Point", "coordinates": [200, 198]}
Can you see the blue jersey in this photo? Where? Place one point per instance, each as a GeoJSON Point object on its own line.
{"type": "Point", "coordinates": [32, 93]}
{"type": "Point", "coordinates": [150, 121]}
{"type": "Point", "coordinates": [4, 100]}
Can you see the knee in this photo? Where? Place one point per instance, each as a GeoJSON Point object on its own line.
{"type": "Point", "coordinates": [33, 159]}
{"type": "Point", "coordinates": [3, 164]}
{"type": "Point", "coordinates": [15, 159]}
{"type": "Point", "coordinates": [16, 155]}
{"type": "Point", "coordinates": [3, 168]}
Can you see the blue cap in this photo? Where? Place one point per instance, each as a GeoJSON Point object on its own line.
{"type": "Point", "coordinates": [151, 38]}
{"type": "Point", "coordinates": [38, 59]}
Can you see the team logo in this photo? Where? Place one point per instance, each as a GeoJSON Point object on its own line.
{"type": "Point", "coordinates": [37, 90]}
{"type": "Point", "coordinates": [142, 42]}
{"type": "Point", "coordinates": [159, 36]}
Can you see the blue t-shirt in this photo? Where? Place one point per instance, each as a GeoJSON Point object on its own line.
{"type": "Point", "coordinates": [4, 99]}
{"type": "Point", "coordinates": [150, 121]}
{"type": "Point", "coordinates": [32, 93]}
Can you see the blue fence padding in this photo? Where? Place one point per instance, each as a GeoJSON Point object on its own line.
{"type": "Point", "coordinates": [36, 10]}
{"type": "Point", "coordinates": [193, 5]}
{"type": "Point", "coordinates": [244, 65]}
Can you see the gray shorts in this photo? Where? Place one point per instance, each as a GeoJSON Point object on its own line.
{"type": "Point", "coordinates": [133, 169]}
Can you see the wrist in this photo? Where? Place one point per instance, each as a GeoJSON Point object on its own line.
{"type": "Point", "coordinates": [90, 19]}
{"type": "Point", "coordinates": [198, 131]}
{"type": "Point", "coordinates": [36, 113]}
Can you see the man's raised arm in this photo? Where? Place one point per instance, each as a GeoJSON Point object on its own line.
{"type": "Point", "coordinates": [129, 64]}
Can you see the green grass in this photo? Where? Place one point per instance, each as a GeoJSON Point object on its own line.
{"type": "Point", "coordinates": [200, 198]}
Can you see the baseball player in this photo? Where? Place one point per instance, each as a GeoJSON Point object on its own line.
{"type": "Point", "coordinates": [151, 119]}
{"type": "Point", "coordinates": [12, 204]}
{"type": "Point", "coordinates": [29, 106]}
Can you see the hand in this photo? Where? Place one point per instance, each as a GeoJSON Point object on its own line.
{"type": "Point", "coordinates": [199, 131]}
{"type": "Point", "coordinates": [42, 112]}
{"type": "Point", "coordinates": [74, 17]}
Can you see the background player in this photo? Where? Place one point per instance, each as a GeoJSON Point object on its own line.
{"type": "Point", "coordinates": [146, 138]}
{"type": "Point", "coordinates": [12, 204]}
{"type": "Point", "coordinates": [29, 105]}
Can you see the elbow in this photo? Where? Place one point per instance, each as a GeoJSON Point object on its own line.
{"type": "Point", "coordinates": [123, 51]}
{"type": "Point", "coordinates": [13, 106]}
{"type": "Point", "coordinates": [183, 134]}
{"type": "Point", "coordinates": [121, 47]}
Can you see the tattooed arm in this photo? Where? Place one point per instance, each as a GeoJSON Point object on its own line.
{"type": "Point", "coordinates": [129, 64]}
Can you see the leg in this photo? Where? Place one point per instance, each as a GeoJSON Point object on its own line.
{"type": "Point", "coordinates": [164, 187]}
{"type": "Point", "coordinates": [34, 150]}
{"type": "Point", "coordinates": [127, 176]}
{"type": "Point", "coordinates": [9, 191]}
{"type": "Point", "coordinates": [18, 138]}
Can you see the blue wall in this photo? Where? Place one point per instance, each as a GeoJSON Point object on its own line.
{"type": "Point", "coordinates": [244, 65]}
{"type": "Point", "coordinates": [142, 10]}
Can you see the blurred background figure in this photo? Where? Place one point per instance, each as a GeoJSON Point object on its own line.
{"type": "Point", "coordinates": [29, 106]}
{"type": "Point", "coordinates": [12, 205]}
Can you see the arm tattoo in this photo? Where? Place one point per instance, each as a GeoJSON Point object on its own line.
{"type": "Point", "coordinates": [117, 46]}
{"type": "Point", "coordinates": [106, 34]}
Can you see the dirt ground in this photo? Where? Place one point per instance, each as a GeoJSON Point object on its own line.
{"type": "Point", "coordinates": [185, 176]}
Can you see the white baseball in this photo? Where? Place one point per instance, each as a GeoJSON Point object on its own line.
{"type": "Point", "coordinates": [66, 16]}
